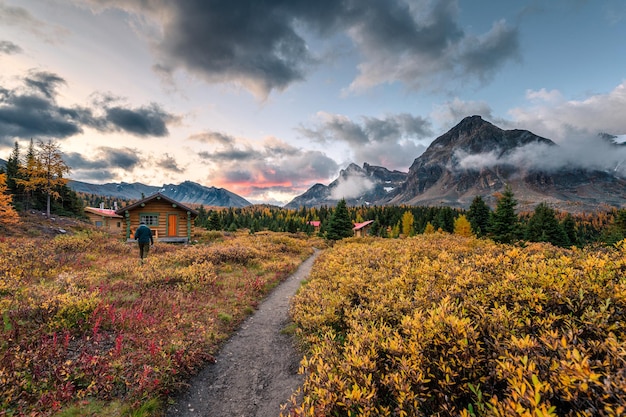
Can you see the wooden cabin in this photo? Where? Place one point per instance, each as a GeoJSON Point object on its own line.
{"type": "Point", "coordinates": [362, 229]}
{"type": "Point", "coordinates": [169, 220]}
{"type": "Point", "coordinates": [107, 219]}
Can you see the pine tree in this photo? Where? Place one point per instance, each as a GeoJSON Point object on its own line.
{"type": "Point", "coordinates": [213, 222]}
{"type": "Point", "coordinates": [375, 229]}
{"type": "Point", "coordinates": [12, 169]}
{"type": "Point", "coordinates": [478, 216]}
{"type": "Point", "coordinates": [569, 226]}
{"type": "Point", "coordinates": [339, 226]}
{"type": "Point", "coordinates": [504, 225]}
{"type": "Point", "coordinates": [543, 226]}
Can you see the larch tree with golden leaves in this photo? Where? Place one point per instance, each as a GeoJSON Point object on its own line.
{"type": "Point", "coordinates": [44, 173]}
{"type": "Point", "coordinates": [8, 215]}
{"type": "Point", "coordinates": [407, 223]}
{"type": "Point", "coordinates": [462, 226]}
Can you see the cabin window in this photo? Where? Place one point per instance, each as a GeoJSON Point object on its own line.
{"type": "Point", "coordinates": [150, 219]}
{"type": "Point", "coordinates": [98, 223]}
{"type": "Point", "coordinates": [119, 224]}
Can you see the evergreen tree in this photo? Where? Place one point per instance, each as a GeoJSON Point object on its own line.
{"type": "Point", "coordinates": [339, 226]}
{"type": "Point", "coordinates": [213, 223]}
{"type": "Point", "coordinates": [69, 203]}
{"type": "Point", "coordinates": [375, 229]}
{"type": "Point", "coordinates": [543, 226]}
{"type": "Point", "coordinates": [444, 219]}
{"type": "Point", "coordinates": [202, 217]}
{"type": "Point", "coordinates": [504, 226]}
{"type": "Point", "coordinates": [12, 170]}
{"type": "Point", "coordinates": [569, 226]}
{"type": "Point", "coordinates": [478, 216]}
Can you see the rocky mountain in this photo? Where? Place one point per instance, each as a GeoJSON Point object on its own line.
{"type": "Point", "coordinates": [186, 192]}
{"type": "Point", "coordinates": [355, 184]}
{"type": "Point", "coordinates": [3, 163]}
{"type": "Point", "coordinates": [477, 158]}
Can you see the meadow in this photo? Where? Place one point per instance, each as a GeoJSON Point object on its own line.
{"type": "Point", "coordinates": [451, 326]}
{"type": "Point", "coordinates": [88, 330]}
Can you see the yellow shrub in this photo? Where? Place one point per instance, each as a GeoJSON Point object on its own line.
{"type": "Point", "coordinates": [446, 325]}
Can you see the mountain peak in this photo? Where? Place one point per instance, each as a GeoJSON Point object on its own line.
{"type": "Point", "coordinates": [471, 121]}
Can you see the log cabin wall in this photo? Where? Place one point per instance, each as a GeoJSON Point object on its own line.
{"type": "Point", "coordinates": [165, 219]}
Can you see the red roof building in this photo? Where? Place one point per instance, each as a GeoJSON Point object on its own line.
{"type": "Point", "coordinates": [361, 229]}
{"type": "Point", "coordinates": [105, 218]}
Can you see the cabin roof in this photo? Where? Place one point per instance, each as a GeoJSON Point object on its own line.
{"type": "Point", "coordinates": [156, 196]}
{"type": "Point", "coordinates": [103, 212]}
{"type": "Point", "coordinates": [359, 226]}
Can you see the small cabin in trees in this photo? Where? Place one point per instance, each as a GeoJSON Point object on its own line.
{"type": "Point", "coordinates": [169, 220]}
{"type": "Point", "coordinates": [362, 229]}
{"type": "Point", "coordinates": [316, 225]}
{"type": "Point", "coordinates": [107, 219]}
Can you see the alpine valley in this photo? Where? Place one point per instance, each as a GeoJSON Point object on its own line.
{"type": "Point", "coordinates": [474, 158]}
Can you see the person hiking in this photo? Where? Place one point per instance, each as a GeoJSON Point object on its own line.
{"type": "Point", "coordinates": [143, 236]}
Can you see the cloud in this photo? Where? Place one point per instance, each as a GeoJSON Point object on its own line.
{"type": "Point", "coordinates": [423, 46]}
{"type": "Point", "coordinates": [44, 82]}
{"type": "Point", "coordinates": [106, 164]}
{"type": "Point", "coordinates": [391, 142]}
{"type": "Point", "coordinates": [550, 115]}
{"type": "Point", "coordinates": [267, 46]}
{"type": "Point", "coordinates": [143, 121]}
{"type": "Point", "coordinates": [274, 168]}
{"type": "Point", "coordinates": [483, 55]}
{"type": "Point", "coordinates": [213, 137]}
{"type": "Point", "coordinates": [31, 110]}
{"type": "Point", "coordinates": [168, 163]}
{"type": "Point", "coordinates": [351, 187]}
{"type": "Point", "coordinates": [20, 17]}
{"type": "Point", "coordinates": [451, 112]}
{"type": "Point", "coordinates": [592, 153]}
{"type": "Point", "coordinates": [8, 48]}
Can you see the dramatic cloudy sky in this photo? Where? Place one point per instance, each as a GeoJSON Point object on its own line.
{"type": "Point", "coordinates": [267, 98]}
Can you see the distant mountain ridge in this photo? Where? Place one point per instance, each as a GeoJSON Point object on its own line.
{"type": "Point", "coordinates": [187, 192]}
{"type": "Point", "coordinates": [355, 184]}
{"type": "Point", "coordinates": [477, 158]}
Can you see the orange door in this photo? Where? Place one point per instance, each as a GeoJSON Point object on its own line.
{"type": "Point", "coordinates": [172, 226]}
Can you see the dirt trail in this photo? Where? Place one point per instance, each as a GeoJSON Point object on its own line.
{"type": "Point", "coordinates": [257, 369]}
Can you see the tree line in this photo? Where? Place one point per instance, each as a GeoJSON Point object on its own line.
{"type": "Point", "coordinates": [502, 224]}
{"type": "Point", "coordinates": [36, 180]}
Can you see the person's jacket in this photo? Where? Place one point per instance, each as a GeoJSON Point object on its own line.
{"type": "Point", "coordinates": [143, 234]}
